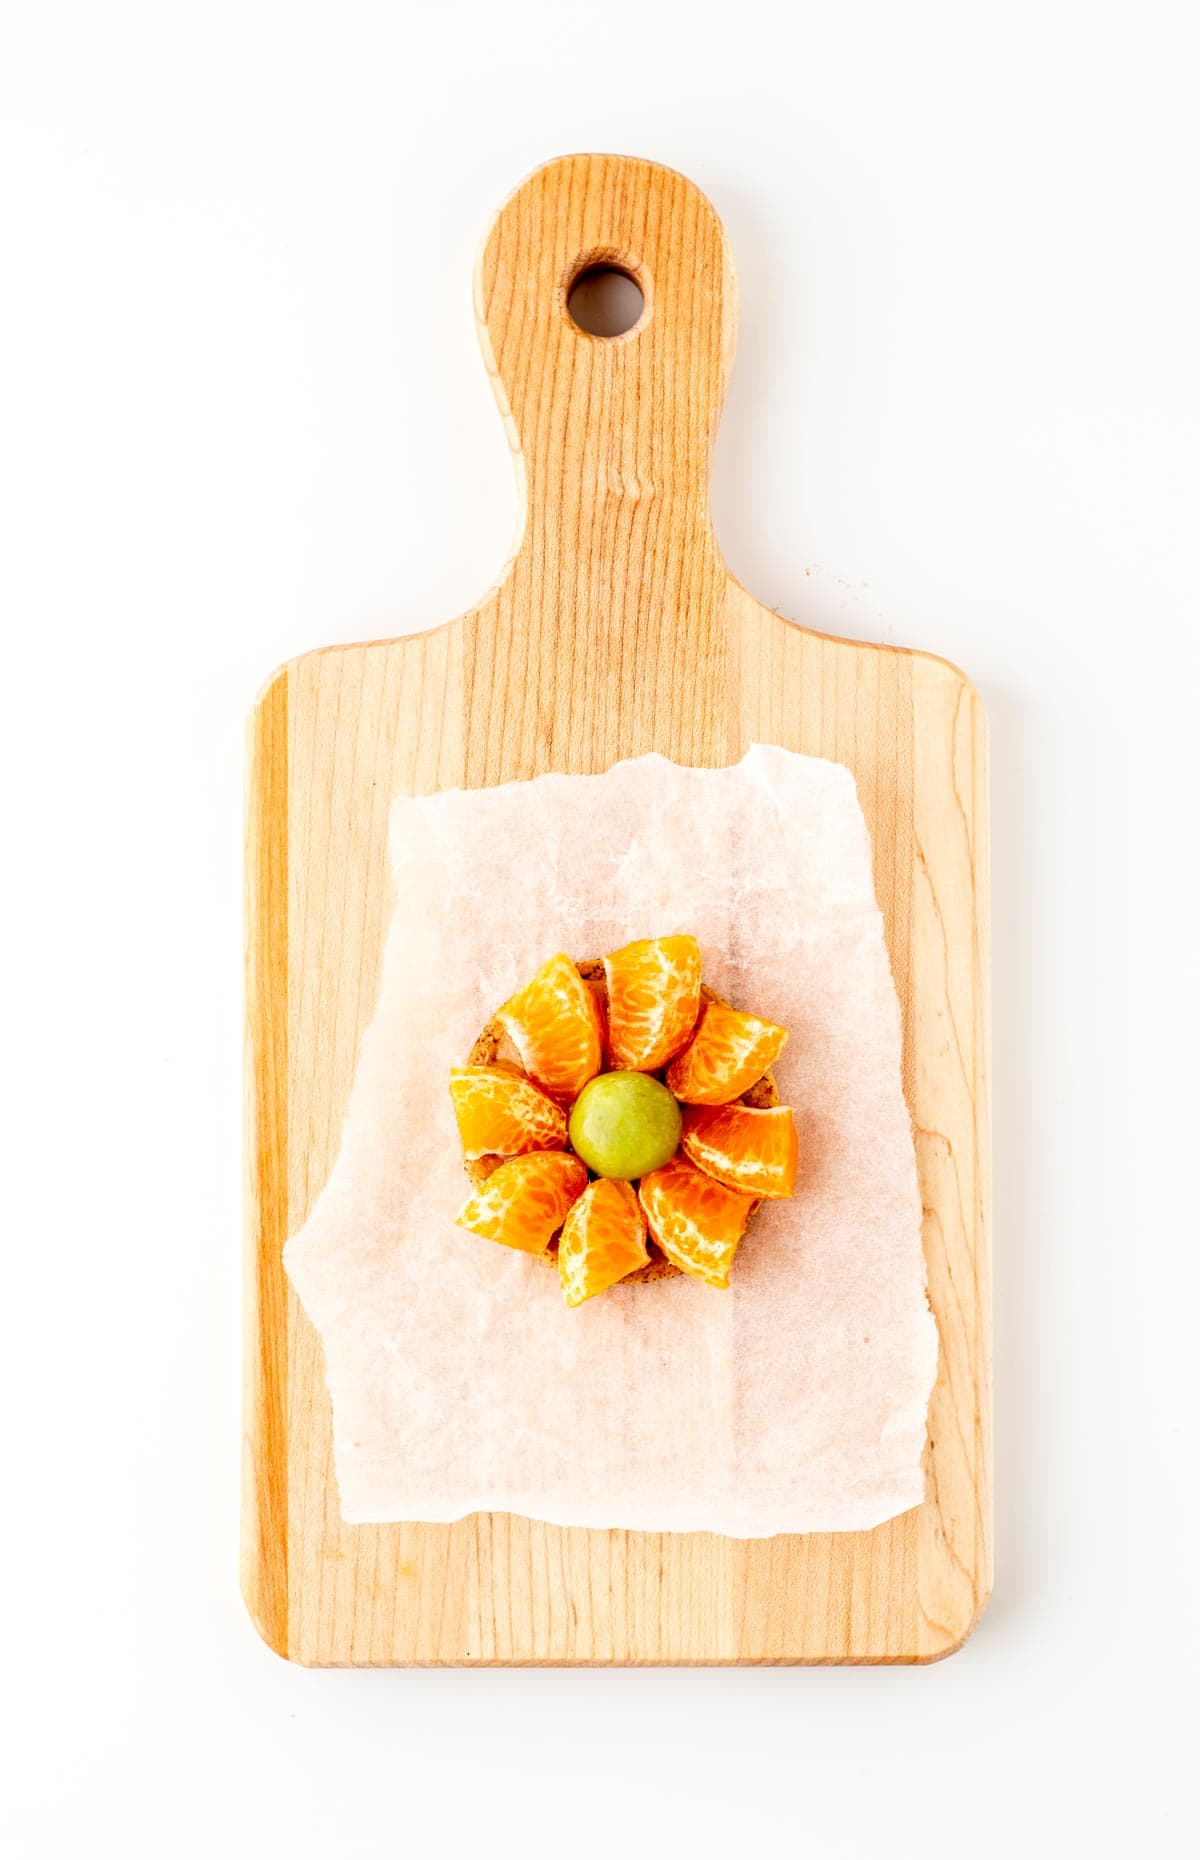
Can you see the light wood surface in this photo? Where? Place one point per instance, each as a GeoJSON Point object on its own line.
{"type": "Point", "coordinates": [615, 629]}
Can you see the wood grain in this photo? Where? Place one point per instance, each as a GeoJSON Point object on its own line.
{"type": "Point", "coordinates": [615, 629]}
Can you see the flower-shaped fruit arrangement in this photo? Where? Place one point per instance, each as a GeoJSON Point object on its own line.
{"type": "Point", "coordinates": [631, 1071]}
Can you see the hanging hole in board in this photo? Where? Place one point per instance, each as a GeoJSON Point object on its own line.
{"type": "Point", "coordinates": [604, 300]}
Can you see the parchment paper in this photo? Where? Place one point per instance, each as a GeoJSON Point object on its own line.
{"type": "Point", "coordinates": [793, 1402]}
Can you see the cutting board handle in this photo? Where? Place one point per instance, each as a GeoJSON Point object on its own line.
{"type": "Point", "coordinates": [607, 429]}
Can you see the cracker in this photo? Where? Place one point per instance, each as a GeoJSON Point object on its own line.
{"type": "Point", "coordinates": [492, 1044]}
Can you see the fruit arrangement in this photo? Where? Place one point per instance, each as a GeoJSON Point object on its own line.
{"type": "Point", "coordinates": [637, 1127]}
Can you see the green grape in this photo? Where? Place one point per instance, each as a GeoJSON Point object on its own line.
{"type": "Point", "coordinates": [624, 1124]}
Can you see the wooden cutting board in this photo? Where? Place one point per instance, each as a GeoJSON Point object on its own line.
{"type": "Point", "coordinates": [615, 629]}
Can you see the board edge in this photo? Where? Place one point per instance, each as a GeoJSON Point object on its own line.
{"type": "Point", "coordinates": [264, 1533]}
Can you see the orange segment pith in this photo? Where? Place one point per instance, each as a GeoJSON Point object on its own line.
{"type": "Point", "coordinates": [653, 1000]}
{"type": "Point", "coordinates": [554, 1023]}
{"type": "Point", "coordinates": [604, 1239]}
{"type": "Point", "coordinates": [502, 1113]}
{"type": "Point", "coordinates": [525, 1202]}
{"type": "Point", "coordinates": [728, 1053]}
{"type": "Point", "coordinates": [697, 1222]}
{"type": "Point", "coordinates": [752, 1151]}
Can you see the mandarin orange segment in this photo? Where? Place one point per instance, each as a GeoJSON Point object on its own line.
{"type": "Point", "coordinates": [653, 1000]}
{"type": "Point", "coordinates": [554, 1023]}
{"type": "Point", "coordinates": [603, 1240]}
{"type": "Point", "coordinates": [697, 1222]}
{"type": "Point", "coordinates": [524, 1202]}
{"type": "Point", "coordinates": [502, 1113]}
{"type": "Point", "coordinates": [752, 1151]}
{"type": "Point", "coordinates": [728, 1053]}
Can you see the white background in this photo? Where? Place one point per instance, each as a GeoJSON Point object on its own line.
{"type": "Point", "coordinates": [243, 414]}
